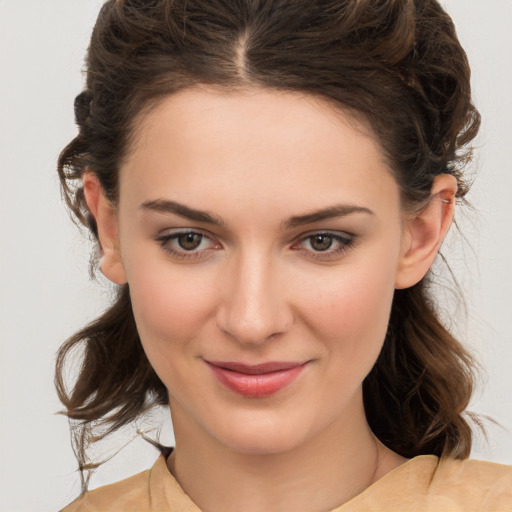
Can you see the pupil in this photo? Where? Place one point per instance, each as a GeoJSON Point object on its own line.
{"type": "Point", "coordinates": [189, 241]}
{"type": "Point", "coordinates": [321, 242]}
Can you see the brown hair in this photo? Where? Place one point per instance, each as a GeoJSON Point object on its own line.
{"type": "Point", "coordinates": [396, 64]}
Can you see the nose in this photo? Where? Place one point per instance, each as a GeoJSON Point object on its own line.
{"type": "Point", "coordinates": [254, 307]}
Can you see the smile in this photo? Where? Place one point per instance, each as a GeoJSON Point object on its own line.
{"type": "Point", "coordinates": [256, 381]}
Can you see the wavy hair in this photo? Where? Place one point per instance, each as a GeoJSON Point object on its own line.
{"type": "Point", "coordinates": [395, 64]}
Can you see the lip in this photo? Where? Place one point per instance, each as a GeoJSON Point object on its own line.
{"type": "Point", "coordinates": [256, 381]}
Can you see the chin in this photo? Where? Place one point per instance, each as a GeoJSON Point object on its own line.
{"type": "Point", "coordinates": [262, 436]}
{"type": "Point", "coordinates": [262, 444]}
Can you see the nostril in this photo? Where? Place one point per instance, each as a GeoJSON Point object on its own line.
{"type": "Point", "coordinates": [251, 332]}
{"type": "Point", "coordinates": [247, 336]}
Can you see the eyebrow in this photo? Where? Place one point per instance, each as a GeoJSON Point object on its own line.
{"type": "Point", "coordinates": [166, 206]}
{"type": "Point", "coordinates": [173, 207]}
{"type": "Point", "coordinates": [332, 212]}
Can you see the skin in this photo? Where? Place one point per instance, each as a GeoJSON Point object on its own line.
{"type": "Point", "coordinates": [257, 288]}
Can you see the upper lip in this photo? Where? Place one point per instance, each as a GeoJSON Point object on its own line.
{"type": "Point", "coordinates": [256, 369]}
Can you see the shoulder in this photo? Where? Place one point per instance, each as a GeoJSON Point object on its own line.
{"type": "Point", "coordinates": [152, 490]}
{"type": "Point", "coordinates": [131, 494]}
{"type": "Point", "coordinates": [480, 485]}
{"type": "Point", "coordinates": [427, 483]}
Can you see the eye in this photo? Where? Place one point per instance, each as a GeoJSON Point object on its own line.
{"type": "Point", "coordinates": [321, 242]}
{"type": "Point", "coordinates": [187, 244]}
{"type": "Point", "coordinates": [325, 245]}
{"type": "Point", "coordinates": [189, 241]}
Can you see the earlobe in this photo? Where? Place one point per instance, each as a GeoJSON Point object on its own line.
{"type": "Point", "coordinates": [424, 233]}
{"type": "Point", "coordinates": [104, 214]}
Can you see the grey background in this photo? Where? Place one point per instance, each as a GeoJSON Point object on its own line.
{"type": "Point", "coordinates": [45, 292]}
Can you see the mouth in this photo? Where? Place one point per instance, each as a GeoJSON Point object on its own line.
{"type": "Point", "coordinates": [256, 381]}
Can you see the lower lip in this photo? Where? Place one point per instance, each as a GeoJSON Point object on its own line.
{"type": "Point", "coordinates": [258, 385]}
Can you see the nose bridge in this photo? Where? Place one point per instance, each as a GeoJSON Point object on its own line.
{"type": "Point", "coordinates": [254, 308]}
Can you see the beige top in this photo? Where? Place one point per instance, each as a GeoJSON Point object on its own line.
{"type": "Point", "coordinates": [423, 484]}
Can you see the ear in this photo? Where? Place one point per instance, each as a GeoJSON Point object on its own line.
{"type": "Point", "coordinates": [104, 214]}
{"type": "Point", "coordinates": [424, 232]}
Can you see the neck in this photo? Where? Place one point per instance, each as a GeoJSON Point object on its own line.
{"type": "Point", "coordinates": [322, 473]}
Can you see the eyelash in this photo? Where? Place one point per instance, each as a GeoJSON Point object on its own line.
{"type": "Point", "coordinates": [166, 240]}
{"type": "Point", "coordinates": [345, 242]}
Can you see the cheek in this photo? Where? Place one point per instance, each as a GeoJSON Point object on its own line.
{"type": "Point", "coordinates": [170, 306]}
{"type": "Point", "coordinates": [365, 303]}
{"type": "Point", "coordinates": [351, 310]}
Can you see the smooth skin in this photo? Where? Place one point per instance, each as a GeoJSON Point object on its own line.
{"type": "Point", "coordinates": [263, 226]}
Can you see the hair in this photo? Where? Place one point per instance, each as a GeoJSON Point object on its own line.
{"type": "Point", "coordinates": [397, 65]}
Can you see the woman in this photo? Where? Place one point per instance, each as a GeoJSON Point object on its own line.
{"type": "Point", "coordinates": [269, 183]}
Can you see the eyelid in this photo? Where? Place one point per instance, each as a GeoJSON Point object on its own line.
{"type": "Point", "coordinates": [182, 231]}
{"type": "Point", "coordinates": [345, 240]}
{"type": "Point", "coordinates": [166, 236]}
{"type": "Point", "coordinates": [342, 239]}
{"type": "Point", "coordinates": [338, 234]}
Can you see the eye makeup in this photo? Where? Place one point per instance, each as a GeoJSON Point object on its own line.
{"type": "Point", "coordinates": [193, 244]}
{"type": "Point", "coordinates": [324, 245]}
{"type": "Point", "coordinates": [188, 244]}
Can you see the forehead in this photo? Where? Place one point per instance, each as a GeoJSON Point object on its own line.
{"type": "Point", "coordinates": [253, 147]}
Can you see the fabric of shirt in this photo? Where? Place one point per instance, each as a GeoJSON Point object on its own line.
{"type": "Point", "coordinates": [423, 484]}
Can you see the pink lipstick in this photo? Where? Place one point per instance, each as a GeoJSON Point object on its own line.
{"type": "Point", "coordinates": [256, 381]}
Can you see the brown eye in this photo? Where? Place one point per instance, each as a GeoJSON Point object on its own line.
{"type": "Point", "coordinates": [188, 245]}
{"type": "Point", "coordinates": [189, 241]}
{"type": "Point", "coordinates": [321, 242]}
{"type": "Point", "coordinates": [325, 246]}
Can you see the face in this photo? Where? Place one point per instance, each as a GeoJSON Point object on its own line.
{"type": "Point", "coordinates": [260, 233]}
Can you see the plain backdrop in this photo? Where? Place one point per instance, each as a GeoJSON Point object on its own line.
{"type": "Point", "coordinates": [45, 291]}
